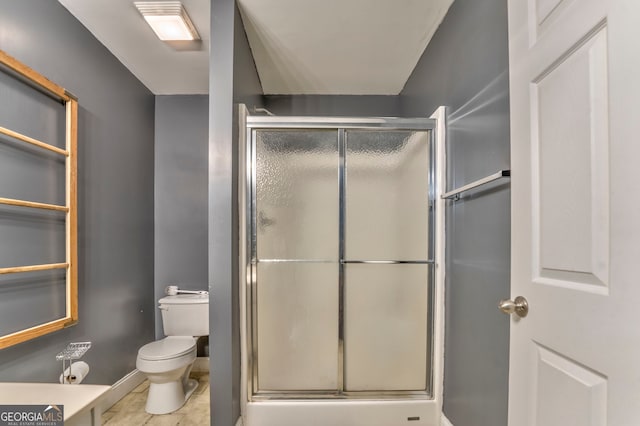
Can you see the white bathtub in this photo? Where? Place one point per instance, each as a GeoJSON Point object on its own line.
{"type": "Point", "coordinates": [343, 413]}
{"type": "Point", "coordinates": [81, 402]}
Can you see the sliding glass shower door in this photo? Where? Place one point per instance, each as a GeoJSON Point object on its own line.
{"type": "Point", "coordinates": [296, 292]}
{"type": "Point", "coordinates": [340, 271]}
{"type": "Point", "coordinates": [386, 260]}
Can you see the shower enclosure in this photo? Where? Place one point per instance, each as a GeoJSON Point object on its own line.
{"type": "Point", "coordinates": [338, 259]}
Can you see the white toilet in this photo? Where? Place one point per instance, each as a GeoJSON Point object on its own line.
{"type": "Point", "coordinates": [167, 362]}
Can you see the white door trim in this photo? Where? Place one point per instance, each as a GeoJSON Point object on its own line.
{"type": "Point", "coordinates": [440, 115]}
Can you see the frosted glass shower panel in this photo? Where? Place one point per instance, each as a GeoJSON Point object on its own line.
{"type": "Point", "coordinates": [297, 194]}
{"type": "Point", "coordinates": [297, 313]}
{"type": "Point", "coordinates": [387, 195]}
{"type": "Point", "coordinates": [385, 327]}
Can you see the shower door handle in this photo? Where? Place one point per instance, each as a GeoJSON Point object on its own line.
{"type": "Point", "coordinates": [520, 306]}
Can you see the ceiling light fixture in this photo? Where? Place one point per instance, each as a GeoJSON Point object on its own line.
{"type": "Point", "coordinates": [168, 19]}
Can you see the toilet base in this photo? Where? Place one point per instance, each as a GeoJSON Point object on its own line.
{"type": "Point", "coordinates": [165, 398]}
{"type": "Point", "coordinates": [191, 386]}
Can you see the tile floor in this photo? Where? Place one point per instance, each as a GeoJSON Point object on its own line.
{"type": "Point", "coordinates": [129, 411]}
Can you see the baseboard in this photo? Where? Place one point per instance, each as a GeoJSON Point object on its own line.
{"type": "Point", "coordinates": [132, 380]}
{"type": "Point", "coordinates": [121, 388]}
{"type": "Point", "coordinates": [201, 365]}
{"type": "Point", "coordinates": [239, 422]}
{"type": "Point", "coordinates": [445, 421]}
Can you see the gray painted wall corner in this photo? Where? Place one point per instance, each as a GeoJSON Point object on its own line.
{"type": "Point", "coordinates": [465, 67]}
{"type": "Point", "coordinates": [334, 105]}
{"type": "Point", "coordinates": [181, 185]}
{"type": "Point", "coordinates": [233, 79]}
{"type": "Point", "coordinates": [247, 88]}
{"type": "Point", "coordinates": [115, 192]}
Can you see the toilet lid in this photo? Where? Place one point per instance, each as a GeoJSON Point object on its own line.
{"type": "Point", "coordinates": [169, 347]}
{"type": "Point", "coordinates": [184, 299]}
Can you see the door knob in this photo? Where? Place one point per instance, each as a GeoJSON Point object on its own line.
{"type": "Point", "coordinates": [519, 306]}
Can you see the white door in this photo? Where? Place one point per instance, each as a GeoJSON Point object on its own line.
{"type": "Point", "coordinates": [575, 130]}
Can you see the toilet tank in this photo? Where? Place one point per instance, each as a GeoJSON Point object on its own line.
{"type": "Point", "coordinates": [185, 315]}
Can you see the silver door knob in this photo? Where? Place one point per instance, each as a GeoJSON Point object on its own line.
{"type": "Point", "coordinates": [519, 306]}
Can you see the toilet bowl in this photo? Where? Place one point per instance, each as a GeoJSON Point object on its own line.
{"type": "Point", "coordinates": [168, 362]}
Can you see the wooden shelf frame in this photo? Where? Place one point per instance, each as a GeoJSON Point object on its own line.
{"type": "Point", "coordinates": [33, 141]}
{"type": "Point", "coordinates": [27, 75]}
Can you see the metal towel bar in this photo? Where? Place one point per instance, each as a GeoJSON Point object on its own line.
{"type": "Point", "coordinates": [455, 194]}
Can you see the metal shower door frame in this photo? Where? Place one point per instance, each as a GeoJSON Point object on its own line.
{"type": "Point", "coordinates": [340, 125]}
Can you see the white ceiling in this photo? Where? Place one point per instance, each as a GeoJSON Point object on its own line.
{"type": "Point", "coordinates": [339, 47]}
{"type": "Point", "coordinates": [179, 68]}
{"type": "Point", "coordinates": [299, 46]}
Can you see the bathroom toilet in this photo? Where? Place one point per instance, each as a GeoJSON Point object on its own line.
{"type": "Point", "coordinates": [167, 362]}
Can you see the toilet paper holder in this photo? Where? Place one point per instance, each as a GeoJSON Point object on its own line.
{"type": "Point", "coordinates": [73, 351]}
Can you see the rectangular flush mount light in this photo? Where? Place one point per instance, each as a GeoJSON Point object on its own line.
{"type": "Point", "coordinates": [168, 19]}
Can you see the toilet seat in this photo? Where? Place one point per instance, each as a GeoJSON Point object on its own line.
{"type": "Point", "coordinates": [167, 348]}
{"type": "Point", "coordinates": [166, 355]}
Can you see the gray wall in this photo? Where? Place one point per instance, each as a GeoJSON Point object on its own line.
{"type": "Point", "coordinates": [465, 68]}
{"type": "Point", "coordinates": [30, 236]}
{"type": "Point", "coordinates": [115, 182]}
{"type": "Point", "coordinates": [247, 88]}
{"type": "Point", "coordinates": [233, 78]}
{"type": "Point", "coordinates": [181, 209]}
{"type": "Point", "coordinates": [323, 105]}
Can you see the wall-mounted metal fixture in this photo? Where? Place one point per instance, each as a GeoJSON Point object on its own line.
{"type": "Point", "coordinates": [73, 351]}
{"type": "Point", "coordinates": [455, 194]}
{"type": "Point", "coordinates": [168, 19]}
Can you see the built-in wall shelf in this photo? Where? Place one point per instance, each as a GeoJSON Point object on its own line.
{"type": "Point", "coordinates": [455, 194]}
